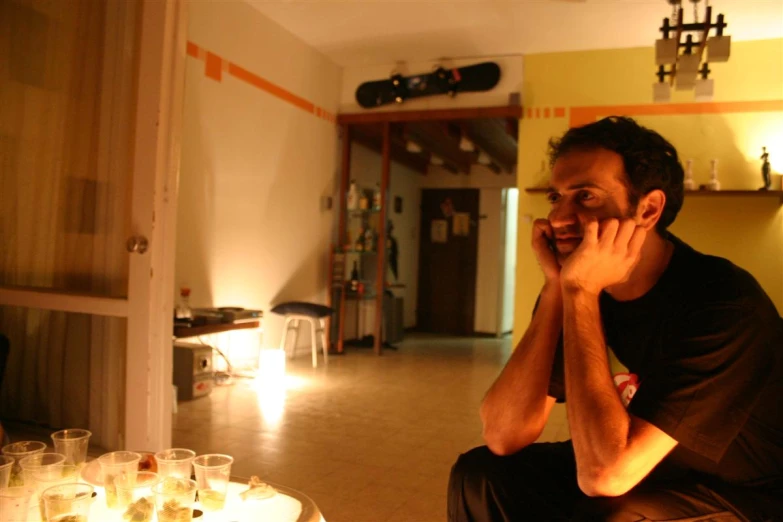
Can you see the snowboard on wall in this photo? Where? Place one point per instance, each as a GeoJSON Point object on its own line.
{"type": "Point", "coordinates": [473, 78]}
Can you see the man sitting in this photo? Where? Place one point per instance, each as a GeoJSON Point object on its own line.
{"type": "Point", "coordinates": [702, 436]}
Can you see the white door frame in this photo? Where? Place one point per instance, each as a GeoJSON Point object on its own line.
{"type": "Point", "coordinates": [155, 170]}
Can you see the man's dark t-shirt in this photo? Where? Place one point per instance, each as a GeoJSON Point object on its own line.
{"type": "Point", "coordinates": [705, 343]}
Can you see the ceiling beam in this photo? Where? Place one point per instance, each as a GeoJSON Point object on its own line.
{"type": "Point", "coordinates": [416, 162]}
{"type": "Point", "coordinates": [503, 111]}
{"type": "Point", "coordinates": [434, 138]}
{"type": "Point", "coordinates": [491, 136]}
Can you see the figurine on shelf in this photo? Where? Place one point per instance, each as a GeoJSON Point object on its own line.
{"type": "Point", "coordinates": [714, 183]}
{"type": "Point", "coordinates": [766, 169]}
{"type": "Point", "coordinates": [688, 183]}
{"type": "Point", "coordinates": [353, 196]}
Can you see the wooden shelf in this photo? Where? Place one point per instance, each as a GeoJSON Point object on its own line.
{"type": "Point", "coordinates": [708, 193]}
{"type": "Point", "coordinates": [194, 331]}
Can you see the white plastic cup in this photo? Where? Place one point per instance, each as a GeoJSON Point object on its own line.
{"type": "Point", "coordinates": [6, 463]}
{"type": "Point", "coordinates": [18, 451]}
{"type": "Point", "coordinates": [213, 473]}
{"type": "Point", "coordinates": [15, 504]}
{"type": "Point", "coordinates": [73, 444]}
{"type": "Point", "coordinates": [67, 501]}
{"type": "Point", "coordinates": [175, 462]}
{"type": "Point", "coordinates": [112, 465]}
{"type": "Point", "coordinates": [174, 499]}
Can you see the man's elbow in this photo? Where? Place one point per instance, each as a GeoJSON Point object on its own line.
{"type": "Point", "coordinates": [503, 440]}
{"type": "Point", "coordinates": [603, 483]}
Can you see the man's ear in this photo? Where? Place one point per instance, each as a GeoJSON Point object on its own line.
{"type": "Point", "coordinates": [650, 209]}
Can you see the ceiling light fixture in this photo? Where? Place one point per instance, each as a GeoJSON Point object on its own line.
{"type": "Point", "coordinates": [687, 59]}
{"type": "Point", "coordinates": [412, 147]}
{"type": "Point", "coordinates": [466, 145]}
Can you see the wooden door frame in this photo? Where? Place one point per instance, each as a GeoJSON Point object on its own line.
{"type": "Point", "coordinates": [149, 305]}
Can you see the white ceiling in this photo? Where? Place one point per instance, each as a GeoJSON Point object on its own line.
{"type": "Point", "coordinates": [357, 33]}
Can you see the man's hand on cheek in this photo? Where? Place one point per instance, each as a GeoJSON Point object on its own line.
{"type": "Point", "coordinates": [608, 253]}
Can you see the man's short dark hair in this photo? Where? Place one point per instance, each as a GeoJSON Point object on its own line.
{"type": "Point", "coordinates": [650, 161]}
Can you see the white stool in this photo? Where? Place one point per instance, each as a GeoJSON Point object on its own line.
{"type": "Point", "coordinates": [317, 329]}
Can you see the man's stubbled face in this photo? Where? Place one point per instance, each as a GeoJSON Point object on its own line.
{"type": "Point", "coordinates": [585, 183]}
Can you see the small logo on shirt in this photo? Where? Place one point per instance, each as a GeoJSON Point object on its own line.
{"type": "Point", "coordinates": [627, 385]}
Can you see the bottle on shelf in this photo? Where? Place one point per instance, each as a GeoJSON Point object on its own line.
{"type": "Point", "coordinates": [183, 312]}
{"type": "Point", "coordinates": [369, 240]}
{"type": "Point", "coordinates": [364, 201]}
{"type": "Point", "coordinates": [353, 196]}
{"type": "Point", "coordinates": [359, 246]}
{"type": "Point", "coordinates": [354, 278]}
{"type": "Point", "coordinates": [376, 197]}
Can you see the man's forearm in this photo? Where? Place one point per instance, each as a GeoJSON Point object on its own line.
{"type": "Point", "coordinates": [597, 419]}
{"type": "Point", "coordinates": [514, 409]}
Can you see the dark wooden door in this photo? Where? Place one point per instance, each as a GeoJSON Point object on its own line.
{"type": "Point", "coordinates": [448, 254]}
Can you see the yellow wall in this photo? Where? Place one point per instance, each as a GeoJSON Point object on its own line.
{"type": "Point", "coordinates": [746, 230]}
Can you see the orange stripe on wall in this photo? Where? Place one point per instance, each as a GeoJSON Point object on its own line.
{"type": "Point", "coordinates": [192, 50]}
{"type": "Point", "coordinates": [275, 90]}
{"type": "Point", "coordinates": [546, 112]}
{"type": "Point", "coordinates": [584, 115]}
{"type": "Point", "coordinates": [214, 67]}
{"type": "Point", "coordinates": [559, 112]}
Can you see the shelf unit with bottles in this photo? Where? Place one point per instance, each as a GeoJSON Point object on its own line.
{"type": "Point", "coordinates": [360, 233]}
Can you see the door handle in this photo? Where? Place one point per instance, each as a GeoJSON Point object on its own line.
{"type": "Point", "coordinates": [137, 244]}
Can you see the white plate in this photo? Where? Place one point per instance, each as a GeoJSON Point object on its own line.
{"type": "Point", "coordinates": [92, 474]}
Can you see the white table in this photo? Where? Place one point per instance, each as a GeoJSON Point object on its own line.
{"type": "Point", "coordinates": [289, 505]}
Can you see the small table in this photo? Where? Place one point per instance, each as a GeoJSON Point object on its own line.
{"type": "Point", "coordinates": [288, 505]}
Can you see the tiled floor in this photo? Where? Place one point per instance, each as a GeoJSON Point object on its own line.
{"type": "Point", "coordinates": [370, 439]}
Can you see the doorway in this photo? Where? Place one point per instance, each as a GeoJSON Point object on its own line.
{"type": "Point", "coordinates": [448, 254]}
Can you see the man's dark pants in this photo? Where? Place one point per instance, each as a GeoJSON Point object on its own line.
{"type": "Point", "coordinates": [539, 484]}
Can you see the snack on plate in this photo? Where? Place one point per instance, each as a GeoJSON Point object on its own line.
{"type": "Point", "coordinates": [257, 490]}
{"type": "Point", "coordinates": [148, 463]}
{"type": "Point", "coordinates": [140, 511]}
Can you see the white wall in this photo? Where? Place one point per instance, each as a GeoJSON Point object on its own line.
{"type": "Point", "coordinates": [510, 260]}
{"type": "Point", "coordinates": [254, 167]}
{"type": "Point", "coordinates": [404, 182]}
{"type": "Point", "coordinates": [487, 273]}
{"type": "Point", "coordinates": [510, 82]}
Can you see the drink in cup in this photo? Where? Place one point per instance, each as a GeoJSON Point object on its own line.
{"type": "Point", "coordinates": [67, 503]}
{"type": "Point", "coordinates": [213, 473]}
{"type": "Point", "coordinates": [73, 444]}
{"type": "Point", "coordinates": [175, 462]}
{"type": "Point", "coordinates": [135, 496]}
{"type": "Point", "coordinates": [113, 465]}
{"type": "Point", "coordinates": [18, 451]}
{"type": "Point", "coordinates": [174, 498]}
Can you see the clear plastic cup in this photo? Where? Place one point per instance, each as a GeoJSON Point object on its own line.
{"type": "Point", "coordinates": [213, 473]}
{"type": "Point", "coordinates": [15, 504]}
{"type": "Point", "coordinates": [135, 496]}
{"type": "Point", "coordinates": [175, 462]}
{"type": "Point", "coordinates": [73, 444]}
{"type": "Point", "coordinates": [18, 451]}
{"type": "Point", "coordinates": [174, 499]}
{"type": "Point", "coordinates": [67, 502]}
{"type": "Point", "coordinates": [112, 465]}
{"type": "Point", "coordinates": [42, 471]}
{"type": "Point", "coordinates": [6, 463]}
